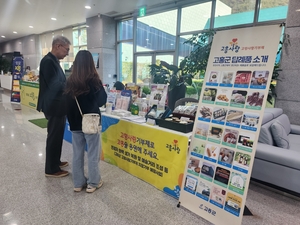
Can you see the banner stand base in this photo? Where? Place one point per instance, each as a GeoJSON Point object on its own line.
{"type": "Point", "coordinates": [247, 212]}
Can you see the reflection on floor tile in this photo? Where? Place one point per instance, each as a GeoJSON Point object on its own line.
{"type": "Point", "coordinates": [28, 197]}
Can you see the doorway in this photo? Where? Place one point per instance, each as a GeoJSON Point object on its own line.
{"type": "Point", "coordinates": [143, 60]}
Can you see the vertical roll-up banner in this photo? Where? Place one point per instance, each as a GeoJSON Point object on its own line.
{"type": "Point", "coordinates": [17, 69]}
{"type": "Point", "coordinates": [227, 124]}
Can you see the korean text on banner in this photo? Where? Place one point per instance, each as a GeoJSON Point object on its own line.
{"type": "Point", "coordinates": [154, 155]}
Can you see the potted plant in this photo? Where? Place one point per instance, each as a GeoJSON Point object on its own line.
{"type": "Point", "coordinates": [174, 76]}
{"type": "Point", "coordinates": [4, 65]}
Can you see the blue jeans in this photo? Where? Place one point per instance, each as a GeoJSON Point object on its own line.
{"type": "Point", "coordinates": [79, 141]}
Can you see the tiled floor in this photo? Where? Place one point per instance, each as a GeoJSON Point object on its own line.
{"type": "Point", "coordinates": [28, 197]}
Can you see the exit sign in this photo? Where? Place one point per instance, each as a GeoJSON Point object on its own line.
{"type": "Point", "coordinates": [142, 11]}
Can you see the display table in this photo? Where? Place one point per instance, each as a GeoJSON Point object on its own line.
{"type": "Point", "coordinates": [6, 81]}
{"type": "Point", "coordinates": [29, 93]}
{"type": "Point", "coordinates": [155, 155]}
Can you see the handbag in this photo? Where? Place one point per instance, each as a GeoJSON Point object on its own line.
{"type": "Point", "coordinates": [90, 121]}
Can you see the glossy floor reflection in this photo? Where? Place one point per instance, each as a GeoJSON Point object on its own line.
{"type": "Point", "coordinates": [28, 197]}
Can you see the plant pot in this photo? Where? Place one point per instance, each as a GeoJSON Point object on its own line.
{"type": "Point", "coordinates": [176, 93]}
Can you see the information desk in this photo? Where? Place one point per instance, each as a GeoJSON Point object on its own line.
{"type": "Point", "coordinates": [155, 155]}
{"type": "Point", "coordinates": [29, 93]}
{"type": "Point", "coordinates": [6, 81]}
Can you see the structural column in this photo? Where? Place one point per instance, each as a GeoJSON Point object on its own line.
{"type": "Point", "coordinates": [288, 88]}
{"type": "Point", "coordinates": [101, 38]}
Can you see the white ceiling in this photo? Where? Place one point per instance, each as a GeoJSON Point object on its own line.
{"type": "Point", "coordinates": [18, 15]}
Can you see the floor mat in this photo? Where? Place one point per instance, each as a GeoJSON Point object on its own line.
{"type": "Point", "coordinates": [42, 123]}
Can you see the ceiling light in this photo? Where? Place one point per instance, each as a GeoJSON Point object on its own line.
{"type": "Point", "coordinates": [3, 36]}
{"type": "Point", "coordinates": [297, 10]}
{"type": "Point", "coordinates": [15, 32]}
{"type": "Point", "coordinates": [87, 7]}
{"type": "Point", "coordinates": [53, 18]}
{"type": "Point", "coordinates": [30, 26]}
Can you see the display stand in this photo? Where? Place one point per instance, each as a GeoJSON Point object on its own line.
{"type": "Point", "coordinates": [247, 212]}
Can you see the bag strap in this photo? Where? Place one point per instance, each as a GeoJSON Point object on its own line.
{"type": "Point", "coordinates": [78, 106]}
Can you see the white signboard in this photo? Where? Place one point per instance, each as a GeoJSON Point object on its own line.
{"type": "Point", "coordinates": [227, 123]}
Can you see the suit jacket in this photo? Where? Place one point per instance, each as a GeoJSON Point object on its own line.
{"type": "Point", "coordinates": [52, 79]}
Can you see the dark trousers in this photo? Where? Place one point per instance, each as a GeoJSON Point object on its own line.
{"type": "Point", "coordinates": [55, 129]}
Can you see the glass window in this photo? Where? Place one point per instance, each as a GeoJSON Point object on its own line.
{"type": "Point", "coordinates": [126, 30]}
{"type": "Point", "coordinates": [201, 11]}
{"type": "Point", "coordinates": [82, 37]}
{"type": "Point", "coordinates": [157, 32]}
{"type": "Point", "coordinates": [184, 49]}
{"type": "Point", "coordinates": [79, 40]}
{"type": "Point", "coordinates": [229, 13]}
{"type": "Point", "coordinates": [126, 64]}
{"type": "Point", "coordinates": [273, 10]}
{"type": "Point", "coordinates": [75, 37]}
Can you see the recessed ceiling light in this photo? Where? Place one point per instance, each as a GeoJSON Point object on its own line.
{"type": "Point", "coordinates": [15, 32]}
{"type": "Point", "coordinates": [53, 18]}
{"type": "Point", "coordinates": [3, 36]}
{"type": "Point", "coordinates": [87, 7]}
{"type": "Point", "coordinates": [297, 10]}
{"type": "Point", "coordinates": [30, 26]}
{"type": "Point", "coordinates": [87, 26]}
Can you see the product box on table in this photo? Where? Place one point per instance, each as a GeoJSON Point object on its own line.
{"type": "Point", "coordinates": [177, 126]}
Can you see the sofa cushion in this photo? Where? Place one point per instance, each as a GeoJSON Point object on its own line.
{"type": "Point", "coordinates": [267, 117]}
{"type": "Point", "coordinates": [279, 135]}
{"type": "Point", "coordinates": [265, 135]}
{"type": "Point", "coordinates": [274, 111]}
{"type": "Point", "coordinates": [294, 140]}
{"type": "Point", "coordinates": [285, 122]}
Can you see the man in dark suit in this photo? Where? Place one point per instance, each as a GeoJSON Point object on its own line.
{"type": "Point", "coordinates": [52, 103]}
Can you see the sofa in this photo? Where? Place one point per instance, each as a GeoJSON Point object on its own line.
{"type": "Point", "coordinates": [277, 158]}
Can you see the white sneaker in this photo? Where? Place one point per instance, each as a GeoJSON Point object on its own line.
{"type": "Point", "coordinates": [91, 189]}
{"type": "Point", "coordinates": [79, 189]}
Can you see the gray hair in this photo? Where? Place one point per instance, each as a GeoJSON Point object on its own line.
{"type": "Point", "coordinates": [60, 40]}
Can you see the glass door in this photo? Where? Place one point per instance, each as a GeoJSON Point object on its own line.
{"type": "Point", "coordinates": [142, 68]}
{"type": "Point", "coordinates": [168, 58]}
{"type": "Point", "coordinates": [142, 62]}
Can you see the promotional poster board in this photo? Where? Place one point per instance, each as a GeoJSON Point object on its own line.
{"type": "Point", "coordinates": [227, 124]}
{"type": "Point", "coordinates": [155, 155]}
{"type": "Point", "coordinates": [16, 77]}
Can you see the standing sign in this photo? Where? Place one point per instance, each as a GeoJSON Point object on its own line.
{"type": "Point", "coordinates": [229, 115]}
{"type": "Point", "coordinates": [16, 77]}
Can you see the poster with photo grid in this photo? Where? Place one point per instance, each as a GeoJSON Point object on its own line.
{"type": "Point", "coordinates": [227, 123]}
